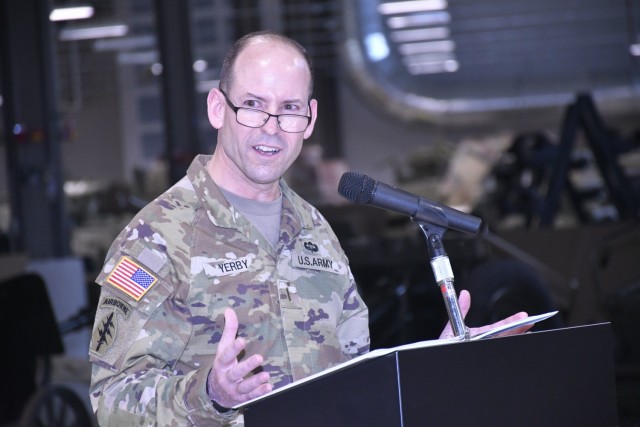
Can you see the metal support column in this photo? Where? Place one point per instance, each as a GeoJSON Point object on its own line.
{"type": "Point", "coordinates": [174, 37]}
{"type": "Point", "coordinates": [31, 117]}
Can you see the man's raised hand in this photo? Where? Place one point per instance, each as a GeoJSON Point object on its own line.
{"type": "Point", "coordinates": [228, 383]}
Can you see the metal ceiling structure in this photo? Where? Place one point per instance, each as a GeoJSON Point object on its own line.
{"type": "Point", "coordinates": [434, 59]}
{"type": "Point", "coordinates": [427, 60]}
{"type": "Point", "coordinates": [85, 74]}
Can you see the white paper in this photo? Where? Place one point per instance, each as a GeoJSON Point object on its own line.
{"type": "Point", "coordinates": [512, 325]}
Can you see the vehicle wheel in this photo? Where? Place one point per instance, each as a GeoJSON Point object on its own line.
{"type": "Point", "coordinates": [55, 406]}
{"type": "Point", "coordinates": [504, 287]}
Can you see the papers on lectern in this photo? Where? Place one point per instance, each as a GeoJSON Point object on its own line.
{"type": "Point", "coordinates": [421, 344]}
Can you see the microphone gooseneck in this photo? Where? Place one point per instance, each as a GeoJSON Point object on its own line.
{"type": "Point", "coordinates": [361, 189]}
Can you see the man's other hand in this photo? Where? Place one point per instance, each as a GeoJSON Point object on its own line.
{"type": "Point", "coordinates": [465, 303]}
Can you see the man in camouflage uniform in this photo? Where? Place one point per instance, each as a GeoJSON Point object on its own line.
{"type": "Point", "coordinates": [185, 259]}
{"type": "Point", "coordinates": [228, 284]}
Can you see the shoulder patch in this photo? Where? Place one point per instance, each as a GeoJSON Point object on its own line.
{"type": "Point", "coordinates": [117, 304]}
{"type": "Point", "coordinates": [104, 334]}
{"type": "Point", "coordinates": [131, 278]}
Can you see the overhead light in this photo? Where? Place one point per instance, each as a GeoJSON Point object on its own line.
{"type": "Point", "coordinates": [449, 66]}
{"type": "Point", "coordinates": [422, 34]}
{"type": "Point", "coordinates": [377, 47]}
{"type": "Point", "coordinates": [427, 47]}
{"type": "Point", "coordinates": [69, 34]}
{"type": "Point", "coordinates": [146, 57]}
{"type": "Point", "coordinates": [156, 68]}
{"type": "Point", "coordinates": [634, 49]}
{"type": "Point", "coordinates": [419, 20]}
{"type": "Point", "coordinates": [431, 63]}
{"type": "Point", "coordinates": [125, 43]}
{"type": "Point", "coordinates": [200, 65]}
{"type": "Point", "coordinates": [424, 58]}
{"type": "Point", "coordinates": [411, 6]}
{"type": "Point", "coordinates": [71, 13]}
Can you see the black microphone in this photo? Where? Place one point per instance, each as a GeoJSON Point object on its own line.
{"type": "Point", "coordinates": [363, 190]}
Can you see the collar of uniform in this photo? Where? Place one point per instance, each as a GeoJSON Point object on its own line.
{"type": "Point", "coordinates": [219, 211]}
{"type": "Point", "coordinates": [211, 197]}
{"type": "Point", "coordinates": [293, 201]}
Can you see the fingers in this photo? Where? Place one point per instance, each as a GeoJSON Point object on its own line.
{"type": "Point", "coordinates": [237, 381]}
{"type": "Point", "coordinates": [512, 318]}
{"type": "Point", "coordinates": [227, 383]}
{"type": "Point", "coordinates": [240, 370]}
{"type": "Point", "coordinates": [230, 329]}
{"type": "Point", "coordinates": [229, 348]}
{"type": "Point", "coordinates": [515, 331]}
{"type": "Point", "coordinates": [257, 392]}
{"type": "Point", "coordinates": [464, 301]}
{"type": "Point", "coordinates": [227, 355]}
{"type": "Point", "coordinates": [250, 384]}
{"type": "Point", "coordinates": [229, 394]}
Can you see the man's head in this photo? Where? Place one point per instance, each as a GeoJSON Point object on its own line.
{"type": "Point", "coordinates": [270, 73]}
{"type": "Point", "coordinates": [226, 73]}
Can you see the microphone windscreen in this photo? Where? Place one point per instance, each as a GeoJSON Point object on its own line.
{"type": "Point", "coordinates": [356, 187]}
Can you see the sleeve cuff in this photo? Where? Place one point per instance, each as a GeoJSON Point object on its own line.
{"type": "Point", "coordinates": [201, 410]}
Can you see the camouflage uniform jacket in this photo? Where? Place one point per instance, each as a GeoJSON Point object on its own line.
{"type": "Point", "coordinates": [170, 275]}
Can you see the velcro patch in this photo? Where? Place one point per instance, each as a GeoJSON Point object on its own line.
{"type": "Point", "coordinates": [221, 267]}
{"type": "Point", "coordinates": [104, 333]}
{"type": "Point", "coordinates": [116, 303]}
{"type": "Point", "coordinates": [302, 260]}
{"type": "Point", "coordinates": [131, 278]}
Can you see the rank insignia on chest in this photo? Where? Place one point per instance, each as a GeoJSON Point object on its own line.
{"type": "Point", "coordinates": [131, 278]}
{"type": "Point", "coordinates": [311, 247]}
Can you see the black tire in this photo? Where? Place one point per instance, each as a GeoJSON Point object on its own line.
{"type": "Point", "coordinates": [504, 287]}
{"type": "Point", "coordinates": [56, 406]}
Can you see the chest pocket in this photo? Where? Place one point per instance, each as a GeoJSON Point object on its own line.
{"type": "Point", "coordinates": [316, 282]}
{"type": "Point", "coordinates": [311, 297]}
{"type": "Point", "coordinates": [311, 308]}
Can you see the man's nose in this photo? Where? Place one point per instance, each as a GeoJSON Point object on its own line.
{"type": "Point", "coordinates": [271, 126]}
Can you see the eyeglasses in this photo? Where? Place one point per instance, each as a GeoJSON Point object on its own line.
{"type": "Point", "coordinates": [250, 117]}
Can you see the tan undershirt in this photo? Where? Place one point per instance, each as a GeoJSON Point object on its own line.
{"type": "Point", "coordinates": [265, 216]}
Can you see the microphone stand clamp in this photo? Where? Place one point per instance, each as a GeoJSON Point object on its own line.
{"type": "Point", "coordinates": [443, 274]}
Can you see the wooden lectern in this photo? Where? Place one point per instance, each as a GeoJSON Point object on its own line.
{"type": "Point", "coordinates": [563, 377]}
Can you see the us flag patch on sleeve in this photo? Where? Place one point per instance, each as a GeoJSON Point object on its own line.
{"type": "Point", "coordinates": [131, 279]}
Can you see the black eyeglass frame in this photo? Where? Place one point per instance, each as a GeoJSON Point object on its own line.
{"type": "Point", "coordinates": [277, 116]}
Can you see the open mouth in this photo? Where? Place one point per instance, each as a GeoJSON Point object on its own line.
{"type": "Point", "coordinates": [263, 149]}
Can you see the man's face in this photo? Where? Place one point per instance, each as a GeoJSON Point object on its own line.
{"type": "Point", "coordinates": [271, 77]}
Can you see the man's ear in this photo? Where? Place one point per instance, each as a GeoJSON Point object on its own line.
{"type": "Point", "coordinates": [215, 108]}
{"type": "Point", "coordinates": [314, 115]}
